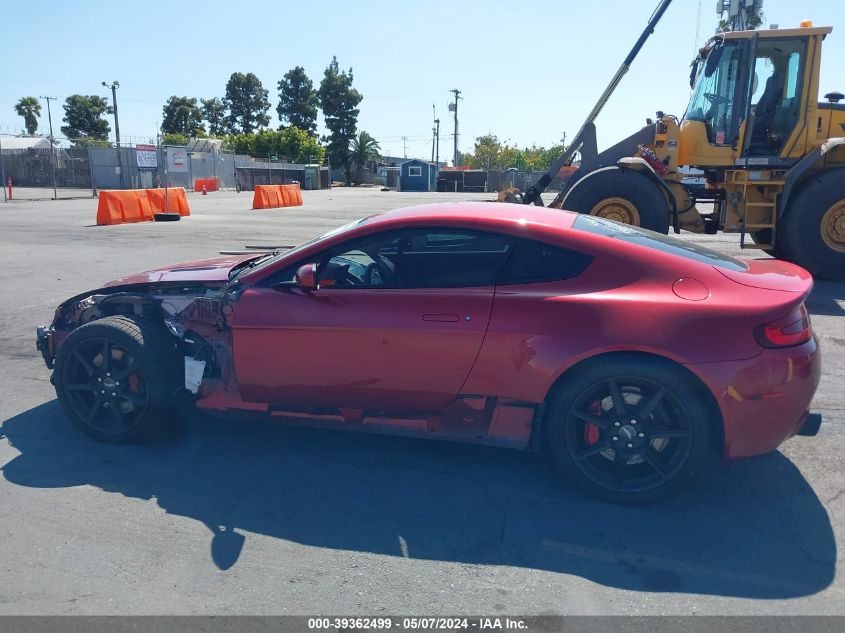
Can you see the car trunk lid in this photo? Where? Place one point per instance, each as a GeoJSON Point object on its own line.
{"type": "Point", "coordinates": [771, 274]}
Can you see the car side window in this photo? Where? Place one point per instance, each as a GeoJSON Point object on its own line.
{"type": "Point", "coordinates": [534, 262]}
{"type": "Point", "coordinates": [412, 258]}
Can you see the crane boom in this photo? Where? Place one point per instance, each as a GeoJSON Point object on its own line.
{"type": "Point", "coordinates": [532, 195]}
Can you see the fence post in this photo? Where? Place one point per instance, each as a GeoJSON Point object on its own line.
{"type": "Point", "coordinates": [91, 171]}
{"type": "Point", "coordinates": [53, 166]}
{"type": "Point", "coordinates": [190, 156]}
{"type": "Point", "coordinates": [2, 174]}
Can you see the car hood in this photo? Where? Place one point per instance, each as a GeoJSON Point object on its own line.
{"type": "Point", "coordinates": [214, 270]}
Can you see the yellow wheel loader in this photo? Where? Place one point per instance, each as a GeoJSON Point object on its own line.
{"type": "Point", "coordinates": [770, 155]}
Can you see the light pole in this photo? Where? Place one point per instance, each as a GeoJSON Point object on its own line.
{"type": "Point", "coordinates": [114, 86]}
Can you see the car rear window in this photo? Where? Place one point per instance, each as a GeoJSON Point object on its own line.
{"type": "Point", "coordinates": [657, 241]}
{"type": "Point", "coordinates": [534, 262]}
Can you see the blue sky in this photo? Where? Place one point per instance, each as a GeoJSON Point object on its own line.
{"type": "Point", "coordinates": [527, 72]}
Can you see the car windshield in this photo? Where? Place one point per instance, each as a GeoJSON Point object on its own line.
{"type": "Point", "coordinates": [260, 263]}
{"type": "Point", "coordinates": [657, 241]}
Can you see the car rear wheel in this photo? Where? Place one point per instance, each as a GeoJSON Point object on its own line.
{"type": "Point", "coordinates": [627, 431]}
{"type": "Point", "coordinates": [115, 378]}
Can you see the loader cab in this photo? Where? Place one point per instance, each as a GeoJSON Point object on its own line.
{"type": "Point", "coordinates": [749, 90]}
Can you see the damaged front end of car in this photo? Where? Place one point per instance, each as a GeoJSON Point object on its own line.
{"type": "Point", "coordinates": [194, 315]}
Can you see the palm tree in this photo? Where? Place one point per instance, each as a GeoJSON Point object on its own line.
{"type": "Point", "coordinates": [30, 110]}
{"type": "Point", "coordinates": [363, 148]}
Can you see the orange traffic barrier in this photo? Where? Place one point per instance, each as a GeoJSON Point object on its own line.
{"type": "Point", "coordinates": [267, 197]}
{"type": "Point", "coordinates": [117, 207]}
{"type": "Point", "coordinates": [177, 201]}
{"type": "Point", "coordinates": [287, 196]}
{"type": "Point", "coordinates": [297, 195]}
{"type": "Point", "coordinates": [274, 196]}
{"type": "Point", "coordinates": [211, 184]}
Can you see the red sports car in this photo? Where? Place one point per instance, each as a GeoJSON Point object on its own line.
{"type": "Point", "coordinates": [630, 356]}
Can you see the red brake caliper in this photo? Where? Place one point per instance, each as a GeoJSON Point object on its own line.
{"type": "Point", "coordinates": [591, 431]}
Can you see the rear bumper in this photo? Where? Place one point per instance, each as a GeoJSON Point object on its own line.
{"type": "Point", "coordinates": [766, 399]}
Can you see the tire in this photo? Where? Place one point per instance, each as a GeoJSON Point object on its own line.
{"type": "Point", "coordinates": [167, 217]}
{"type": "Point", "coordinates": [676, 432]}
{"type": "Point", "coordinates": [763, 236]}
{"type": "Point", "coordinates": [608, 193]}
{"type": "Point", "coordinates": [125, 394]}
{"type": "Point", "coordinates": [817, 208]}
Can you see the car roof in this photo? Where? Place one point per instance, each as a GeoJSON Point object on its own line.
{"type": "Point", "coordinates": [481, 215]}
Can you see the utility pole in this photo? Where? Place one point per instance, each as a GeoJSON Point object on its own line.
{"type": "Point", "coordinates": [52, 142]}
{"type": "Point", "coordinates": [437, 141]}
{"type": "Point", "coordinates": [433, 132]}
{"type": "Point", "coordinates": [114, 86]}
{"type": "Point", "coordinates": [454, 108]}
{"type": "Point", "coordinates": [404, 147]}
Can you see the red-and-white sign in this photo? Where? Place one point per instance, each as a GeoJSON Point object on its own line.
{"type": "Point", "coordinates": [146, 156]}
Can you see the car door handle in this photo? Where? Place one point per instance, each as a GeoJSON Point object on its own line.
{"type": "Point", "coordinates": [443, 318]}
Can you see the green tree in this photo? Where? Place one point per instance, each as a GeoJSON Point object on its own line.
{"type": "Point", "coordinates": [339, 102]}
{"type": "Point", "coordinates": [290, 143]}
{"type": "Point", "coordinates": [214, 112]}
{"type": "Point", "coordinates": [298, 100]}
{"type": "Point", "coordinates": [363, 148]}
{"type": "Point", "coordinates": [30, 109]}
{"type": "Point", "coordinates": [84, 117]}
{"type": "Point", "coordinates": [246, 101]}
{"type": "Point", "coordinates": [181, 116]}
{"type": "Point", "coordinates": [86, 141]}
{"type": "Point", "coordinates": [485, 153]}
{"type": "Point", "coordinates": [175, 138]}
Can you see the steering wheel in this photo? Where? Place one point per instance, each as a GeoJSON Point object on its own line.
{"type": "Point", "coordinates": [715, 99]}
{"type": "Point", "coordinates": [378, 274]}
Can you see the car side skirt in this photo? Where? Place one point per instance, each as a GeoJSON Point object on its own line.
{"type": "Point", "coordinates": [475, 419]}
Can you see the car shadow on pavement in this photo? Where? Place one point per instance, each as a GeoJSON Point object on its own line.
{"type": "Point", "coordinates": [753, 529]}
{"type": "Point", "coordinates": [826, 297]}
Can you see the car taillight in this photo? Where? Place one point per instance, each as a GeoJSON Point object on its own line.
{"type": "Point", "coordinates": [793, 329]}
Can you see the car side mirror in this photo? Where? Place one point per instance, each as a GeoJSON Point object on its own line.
{"type": "Point", "coordinates": [306, 277]}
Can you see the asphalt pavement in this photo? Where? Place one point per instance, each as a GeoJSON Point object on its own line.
{"type": "Point", "coordinates": [234, 517]}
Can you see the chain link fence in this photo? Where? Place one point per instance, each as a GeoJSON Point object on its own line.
{"type": "Point", "coordinates": [31, 168]}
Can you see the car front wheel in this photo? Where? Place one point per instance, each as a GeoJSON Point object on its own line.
{"type": "Point", "coordinates": [627, 431]}
{"type": "Point", "coordinates": [115, 378]}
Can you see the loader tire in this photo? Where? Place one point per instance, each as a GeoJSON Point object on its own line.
{"type": "Point", "coordinates": [812, 231]}
{"type": "Point", "coordinates": [623, 195]}
{"type": "Point", "coordinates": [764, 236]}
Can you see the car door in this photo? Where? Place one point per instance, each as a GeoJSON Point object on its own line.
{"type": "Point", "coordinates": [395, 324]}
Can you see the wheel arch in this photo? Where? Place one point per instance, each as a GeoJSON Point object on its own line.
{"type": "Point", "coordinates": [690, 378]}
{"type": "Point", "coordinates": [586, 177]}
{"type": "Point", "coordinates": [796, 178]}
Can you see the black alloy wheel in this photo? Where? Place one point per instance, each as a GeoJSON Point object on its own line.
{"type": "Point", "coordinates": [628, 436]}
{"type": "Point", "coordinates": [117, 377]}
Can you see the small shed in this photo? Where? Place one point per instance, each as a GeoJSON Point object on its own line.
{"type": "Point", "coordinates": [417, 175]}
